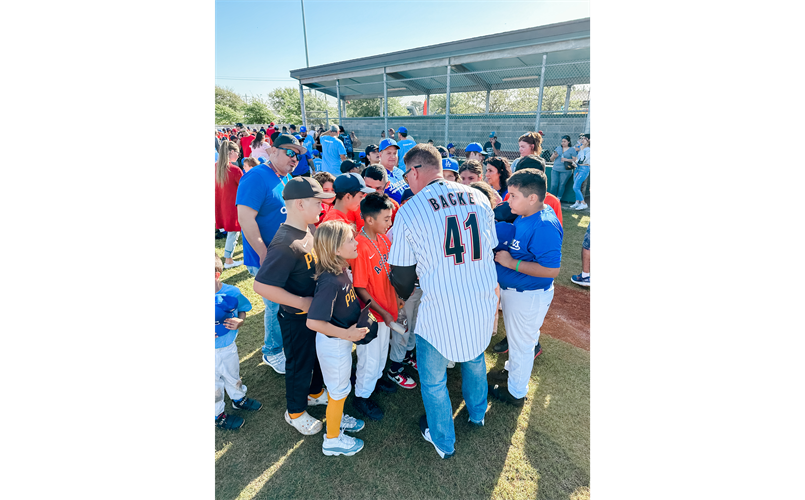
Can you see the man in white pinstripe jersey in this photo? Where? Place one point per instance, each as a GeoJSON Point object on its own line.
{"type": "Point", "coordinates": [445, 234]}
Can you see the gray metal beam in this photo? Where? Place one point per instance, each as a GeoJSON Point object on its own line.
{"type": "Point", "coordinates": [447, 108]}
{"type": "Point", "coordinates": [338, 99]}
{"type": "Point", "coordinates": [567, 98]}
{"type": "Point", "coordinates": [474, 78]}
{"type": "Point", "coordinates": [541, 89]}
{"type": "Point", "coordinates": [385, 105]}
{"type": "Point", "coordinates": [302, 104]}
{"type": "Point", "coordinates": [416, 88]}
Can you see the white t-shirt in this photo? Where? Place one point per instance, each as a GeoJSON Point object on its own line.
{"type": "Point", "coordinates": [584, 157]}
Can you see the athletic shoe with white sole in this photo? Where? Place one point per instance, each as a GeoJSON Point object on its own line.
{"type": "Point", "coordinates": [341, 445]}
{"type": "Point", "coordinates": [235, 263]}
{"type": "Point", "coordinates": [319, 401]}
{"type": "Point", "coordinates": [305, 424]}
{"type": "Point", "coordinates": [410, 360]}
{"type": "Point", "coordinates": [577, 279]}
{"type": "Point", "coordinates": [401, 379]}
{"type": "Point", "coordinates": [425, 431]}
{"type": "Point", "coordinates": [582, 206]}
{"type": "Point", "coordinates": [573, 206]}
{"type": "Point", "coordinates": [476, 424]}
{"type": "Point", "coordinates": [277, 362]}
{"type": "Point", "coordinates": [351, 424]}
{"type": "Point", "coordinates": [451, 364]}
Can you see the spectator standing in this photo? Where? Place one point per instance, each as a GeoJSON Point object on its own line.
{"type": "Point", "coordinates": [583, 279]}
{"type": "Point", "coordinates": [259, 146]}
{"type": "Point", "coordinates": [492, 146]}
{"type": "Point", "coordinates": [388, 158]}
{"type": "Point", "coordinates": [261, 210]}
{"type": "Point", "coordinates": [270, 131]}
{"type": "Point", "coordinates": [563, 156]}
{"type": "Point", "coordinates": [246, 145]}
{"type": "Point", "coordinates": [497, 173]}
{"type": "Point", "coordinates": [474, 151]}
{"type": "Point", "coordinates": [471, 171]}
{"type": "Point", "coordinates": [371, 155]}
{"type": "Point", "coordinates": [227, 179]}
{"type": "Point", "coordinates": [305, 161]}
{"type": "Point", "coordinates": [347, 141]}
{"type": "Point", "coordinates": [529, 143]}
{"type": "Point", "coordinates": [405, 144]}
{"type": "Point", "coordinates": [581, 173]}
{"type": "Point", "coordinates": [333, 151]}
{"type": "Point", "coordinates": [308, 141]}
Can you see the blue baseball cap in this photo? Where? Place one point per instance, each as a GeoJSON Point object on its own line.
{"type": "Point", "coordinates": [387, 143]}
{"type": "Point", "coordinates": [225, 307]}
{"type": "Point", "coordinates": [505, 232]}
{"type": "Point", "coordinates": [492, 134]}
{"type": "Point", "coordinates": [361, 155]}
{"type": "Point", "coordinates": [451, 146]}
{"type": "Point", "coordinates": [474, 147]}
{"type": "Point", "coordinates": [316, 152]}
{"type": "Point", "coordinates": [403, 130]}
{"type": "Point", "coordinates": [298, 137]}
{"type": "Point", "coordinates": [350, 183]}
{"type": "Point", "coordinates": [450, 164]}
{"type": "Point", "coordinates": [303, 129]}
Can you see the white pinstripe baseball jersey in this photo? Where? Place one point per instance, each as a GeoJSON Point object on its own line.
{"type": "Point", "coordinates": [448, 231]}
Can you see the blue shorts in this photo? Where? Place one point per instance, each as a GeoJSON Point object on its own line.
{"type": "Point", "coordinates": [586, 242]}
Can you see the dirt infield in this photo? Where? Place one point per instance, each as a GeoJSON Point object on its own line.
{"type": "Point", "coordinates": [568, 318]}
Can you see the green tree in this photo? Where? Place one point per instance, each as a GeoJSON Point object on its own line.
{"type": "Point", "coordinates": [257, 111]}
{"type": "Point", "coordinates": [226, 116]}
{"type": "Point", "coordinates": [227, 97]}
{"type": "Point", "coordinates": [358, 108]}
{"type": "Point", "coordinates": [285, 102]}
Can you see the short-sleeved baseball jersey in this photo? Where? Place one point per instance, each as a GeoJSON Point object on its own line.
{"type": "Point", "coordinates": [290, 263]}
{"type": "Point", "coordinates": [397, 184]}
{"type": "Point", "coordinates": [243, 305]}
{"type": "Point", "coordinates": [335, 301]}
{"type": "Point", "coordinates": [448, 231]}
{"type": "Point", "coordinates": [371, 271]}
{"type": "Point", "coordinates": [537, 238]}
{"type": "Point", "coordinates": [405, 145]}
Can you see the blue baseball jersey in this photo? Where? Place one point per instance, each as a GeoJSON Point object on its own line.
{"type": "Point", "coordinates": [309, 143]}
{"type": "Point", "coordinates": [396, 185]}
{"type": "Point", "coordinates": [317, 163]}
{"type": "Point", "coordinates": [405, 145]}
{"type": "Point", "coordinates": [537, 238]}
{"type": "Point", "coordinates": [332, 149]}
{"type": "Point", "coordinates": [225, 296]}
{"type": "Point", "coordinates": [303, 167]}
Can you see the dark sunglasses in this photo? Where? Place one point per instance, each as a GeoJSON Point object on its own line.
{"type": "Point", "coordinates": [290, 153]}
{"type": "Point", "coordinates": [405, 175]}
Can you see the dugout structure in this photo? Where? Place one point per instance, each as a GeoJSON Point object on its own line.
{"type": "Point", "coordinates": [510, 83]}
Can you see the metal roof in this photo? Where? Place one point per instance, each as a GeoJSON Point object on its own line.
{"type": "Point", "coordinates": [506, 60]}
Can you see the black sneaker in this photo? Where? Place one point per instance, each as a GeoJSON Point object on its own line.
{"type": "Point", "coordinates": [228, 422]}
{"type": "Point", "coordinates": [247, 404]}
{"type": "Point", "coordinates": [502, 393]}
{"type": "Point", "coordinates": [367, 408]}
{"type": "Point", "coordinates": [502, 346]}
{"type": "Point", "coordinates": [410, 360]}
{"type": "Point", "coordinates": [219, 235]}
{"type": "Point", "coordinates": [386, 385]}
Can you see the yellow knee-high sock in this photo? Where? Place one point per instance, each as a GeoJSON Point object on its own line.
{"type": "Point", "coordinates": [314, 396]}
{"type": "Point", "coordinates": [335, 408]}
{"type": "Point", "coordinates": [295, 415]}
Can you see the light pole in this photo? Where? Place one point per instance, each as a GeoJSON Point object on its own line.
{"type": "Point", "coordinates": [304, 30]}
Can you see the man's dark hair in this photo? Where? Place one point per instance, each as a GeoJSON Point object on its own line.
{"type": "Point", "coordinates": [274, 136]}
{"type": "Point", "coordinates": [375, 203]}
{"type": "Point", "coordinates": [292, 126]}
{"type": "Point", "coordinates": [404, 134]}
{"type": "Point", "coordinates": [376, 172]}
{"type": "Point", "coordinates": [531, 161]}
{"type": "Point", "coordinates": [530, 181]}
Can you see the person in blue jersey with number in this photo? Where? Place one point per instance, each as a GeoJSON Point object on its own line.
{"type": "Point", "coordinates": [261, 210]}
{"type": "Point", "coordinates": [405, 144]}
{"type": "Point", "coordinates": [388, 158]}
{"type": "Point", "coordinates": [526, 271]}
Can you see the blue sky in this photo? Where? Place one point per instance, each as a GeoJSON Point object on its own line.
{"type": "Point", "coordinates": [264, 39]}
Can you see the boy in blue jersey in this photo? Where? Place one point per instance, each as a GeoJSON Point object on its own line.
{"type": "Point", "coordinates": [525, 273]}
{"type": "Point", "coordinates": [388, 158]}
{"type": "Point", "coordinates": [317, 161]}
{"type": "Point", "coordinates": [230, 311]}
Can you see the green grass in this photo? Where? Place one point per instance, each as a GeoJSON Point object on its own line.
{"type": "Point", "coordinates": [539, 451]}
{"type": "Point", "coordinates": [574, 226]}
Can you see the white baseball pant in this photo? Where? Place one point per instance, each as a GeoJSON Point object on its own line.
{"type": "Point", "coordinates": [523, 314]}
{"type": "Point", "coordinates": [335, 359]}
{"type": "Point", "coordinates": [227, 376]}
{"type": "Point", "coordinates": [371, 361]}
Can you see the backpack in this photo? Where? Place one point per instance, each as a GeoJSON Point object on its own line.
{"type": "Point", "coordinates": [347, 142]}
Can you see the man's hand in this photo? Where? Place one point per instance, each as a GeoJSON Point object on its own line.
{"type": "Point", "coordinates": [232, 323]}
{"type": "Point", "coordinates": [400, 303]}
{"type": "Point", "coordinates": [354, 333]}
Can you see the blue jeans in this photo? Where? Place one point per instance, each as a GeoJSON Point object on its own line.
{"type": "Point", "coordinates": [558, 181]}
{"type": "Point", "coordinates": [272, 339]}
{"type": "Point", "coordinates": [231, 241]}
{"type": "Point", "coordinates": [579, 175]}
{"type": "Point", "coordinates": [436, 398]}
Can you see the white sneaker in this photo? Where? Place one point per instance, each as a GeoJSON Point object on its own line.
{"type": "Point", "coordinates": [451, 364]}
{"type": "Point", "coordinates": [305, 424]}
{"type": "Point", "coordinates": [321, 400]}
{"type": "Point", "coordinates": [235, 263]}
{"type": "Point", "coordinates": [341, 445]}
{"type": "Point", "coordinates": [351, 424]}
{"type": "Point", "coordinates": [582, 206]}
{"type": "Point", "coordinates": [573, 206]}
{"type": "Point", "coordinates": [277, 362]}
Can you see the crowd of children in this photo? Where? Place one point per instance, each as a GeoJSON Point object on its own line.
{"type": "Point", "coordinates": [327, 269]}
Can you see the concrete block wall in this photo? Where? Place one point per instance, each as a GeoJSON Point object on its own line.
{"type": "Point", "coordinates": [464, 129]}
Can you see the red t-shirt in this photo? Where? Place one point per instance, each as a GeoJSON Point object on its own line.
{"type": "Point", "coordinates": [369, 272]}
{"type": "Point", "coordinates": [355, 218]}
{"type": "Point", "coordinates": [325, 208]}
{"type": "Point", "coordinates": [246, 145]}
{"type": "Point", "coordinates": [335, 214]}
{"type": "Point", "coordinates": [552, 201]}
{"type": "Point", "coordinates": [226, 212]}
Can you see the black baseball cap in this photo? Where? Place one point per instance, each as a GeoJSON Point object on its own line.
{"type": "Point", "coordinates": [348, 165]}
{"type": "Point", "coordinates": [350, 183]}
{"type": "Point", "coordinates": [443, 151]}
{"type": "Point", "coordinates": [300, 188]}
{"type": "Point", "coordinates": [371, 148]}
{"type": "Point", "coordinates": [289, 141]}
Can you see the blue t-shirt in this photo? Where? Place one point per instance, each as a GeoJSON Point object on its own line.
{"type": "Point", "coordinates": [260, 189]}
{"type": "Point", "coordinates": [405, 146]}
{"type": "Point", "coordinates": [558, 164]}
{"type": "Point", "coordinates": [584, 157]}
{"type": "Point", "coordinates": [303, 167]}
{"type": "Point", "coordinates": [243, 305]}
{"type": "Point", "coordinates": [396, 185]}
{"type": "Point", "coordinates": [317, 163]}
{"type": "Point", "coordinates": [537, 238]}
{"type": "Point", "coordinates": [309, 143]}
{"type": "Point", "coordinates": [332, 149]}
